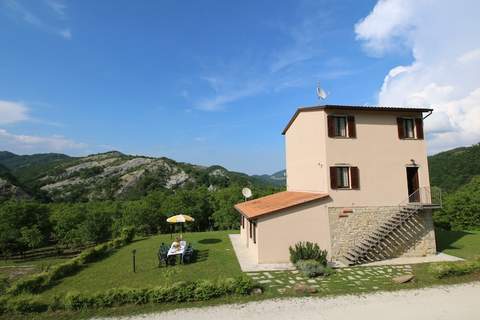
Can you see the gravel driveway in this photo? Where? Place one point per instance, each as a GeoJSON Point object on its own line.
{"type": "Point", "coordinates": [441, 303]}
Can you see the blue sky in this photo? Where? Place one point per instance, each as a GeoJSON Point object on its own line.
{"type": "Point", "coordinates": [206, 82]}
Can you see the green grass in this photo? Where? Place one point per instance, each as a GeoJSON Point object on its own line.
{"type": "Point", "coordinates": [463, 244]}
{"type": "Point", "coordinates": [216, 259]}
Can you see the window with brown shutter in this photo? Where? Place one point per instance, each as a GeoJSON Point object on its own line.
{"type": "Point", "coordinates": [331, 126]}
{"type": "Point", "coordinates": [352, 132]}
{"type": "Point", "coordinates": [419, 127]}
{"type": "Point", "coordinates": [344, 177]}
{"type": "Point", "coordinates": [254, 232]}
{"type": "Point", "coordinates": [333, 177]}
{"type": "Point", "coordinates": [355, 177]}
{"type": "Point", "coordinates": [242, 221]}
{"type": "Point", "coordinates": [401, 130]}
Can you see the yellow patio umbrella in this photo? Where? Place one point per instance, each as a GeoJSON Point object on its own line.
{"type": "Point", "coordinates": [180, 218]}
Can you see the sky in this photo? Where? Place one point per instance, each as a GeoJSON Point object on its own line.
{"type": "Point", "coordinates": [215, 82]}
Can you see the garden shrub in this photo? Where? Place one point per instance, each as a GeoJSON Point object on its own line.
{"type": "Point", "coordinates": [25, 304]}
{"type": "Point", "coordinates": [308, 251]}
{"type": "Point", "coordinates": [177, 292]}
{"type": "Point", "coordinates": [313, 268]}
{"type": "Point", "coordinates": [32, 284]}
{"type": "Point", "coordinates": [454, 269]}
{"type": "Point", "coordinates": [127, 234]}
{"type": "Point", "coordinates": [3, 284]}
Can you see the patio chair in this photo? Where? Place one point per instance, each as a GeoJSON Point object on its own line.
{"type": "Point", "coordinates": [187, 255]}
{"type": "Point", "coordinates": [162, 255]}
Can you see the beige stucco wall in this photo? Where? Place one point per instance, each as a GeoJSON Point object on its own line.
{"type": "Point", "coordinates": [305, 153]}
{"type": "Point", "coordinates": [248, 242]}
{"type": "Point", "coordinates": [277, 232]}
{"type": "Point", "coordinates": [377, 151]}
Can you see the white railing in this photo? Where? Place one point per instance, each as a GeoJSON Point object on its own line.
{"type": "Point", "coordinates": [425, 196]}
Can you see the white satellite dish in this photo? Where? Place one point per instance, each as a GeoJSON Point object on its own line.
{"type": "Point", "coordinates": [247, 193]}
{"type": "Point", "coordinates": [321, 94]}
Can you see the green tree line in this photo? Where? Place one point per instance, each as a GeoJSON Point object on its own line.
{"type": "Point", "coordinates": [28, 225]}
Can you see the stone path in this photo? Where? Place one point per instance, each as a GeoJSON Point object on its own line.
{"type": "Point", "coordinates": [361, 278]}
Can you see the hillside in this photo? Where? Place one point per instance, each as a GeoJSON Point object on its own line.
{"type": "Point", "coordinates": [454, 168]}
{"type": "Point", "coordinates": [113, 175]}
{"type": "Point", "coordinates": [9, 186]}
{"type": "Point", "coordinates": [278, 178]}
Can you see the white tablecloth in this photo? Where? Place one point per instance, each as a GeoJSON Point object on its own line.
{"type": "Point", "coordinates": [174, 251]}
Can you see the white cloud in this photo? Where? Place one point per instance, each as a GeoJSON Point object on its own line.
{"type": "Point", "coordinates": [32, 144]}
{"type": "Point", "coordinates": [58, 7]}
{"type": "Point", "coordinates": [20, 10]}
{"type": "Point", "coordinates": [12, 112]}
{"type": "Point", "coordinates": [67, 34]}
{"type": "Point", "coordinates": [444, 74]}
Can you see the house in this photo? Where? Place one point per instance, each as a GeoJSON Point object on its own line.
{"type": "Point", "coordinates": [357, 184]}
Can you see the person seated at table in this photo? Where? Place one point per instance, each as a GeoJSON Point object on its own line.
{"type": "Point", "coordinates": [176, 243]}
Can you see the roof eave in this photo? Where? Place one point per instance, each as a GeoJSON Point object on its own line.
{"type": "Point", "coordinates": [359, 108]}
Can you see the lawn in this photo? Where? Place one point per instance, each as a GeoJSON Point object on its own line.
{"type": "Point", "coordinates": [216, 259]}
{"type": "Point", "coordinates": [463, 244]}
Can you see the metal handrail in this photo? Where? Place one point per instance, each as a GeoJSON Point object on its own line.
{"type": "Point", "coordinates": [424, 196]}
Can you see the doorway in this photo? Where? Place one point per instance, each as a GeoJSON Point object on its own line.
{"type": "Point", "coordinates": [412, 182]}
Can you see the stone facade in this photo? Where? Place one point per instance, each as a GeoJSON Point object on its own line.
{"type": "Point", "coordinates": [348, 226]}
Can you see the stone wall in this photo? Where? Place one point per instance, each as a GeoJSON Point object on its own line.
{"type": "Point", "coordinates": [348, 226]}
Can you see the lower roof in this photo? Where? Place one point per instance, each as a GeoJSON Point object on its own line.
{"type": "Point", "coordinates": [355, 108]}
{"type": "Point", "coordinates": [276, 202]}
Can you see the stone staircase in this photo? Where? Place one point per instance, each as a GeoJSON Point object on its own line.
{"type": "Point", "coordinates": [370, 248]}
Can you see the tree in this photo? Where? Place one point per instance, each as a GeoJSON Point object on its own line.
{"type": "Point", "coordinates": [31, 237]}
{"type": "Point", "coordinates": [462, 208]}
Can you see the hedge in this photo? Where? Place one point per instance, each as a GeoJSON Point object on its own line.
{"type": "Point", "coordinates": [178, 292]}
{"type": "Point", "coordinates": [454, 269]}
{"type": "Point", "coordinates": [41, 281]}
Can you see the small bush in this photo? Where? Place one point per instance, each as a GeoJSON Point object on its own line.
{"type": "Point", "coordinates": [31, 284]}
{"type": "Point", "coordinates": [25, 304]}
{"type": "Point", "coordinates": [127, 234]}
{"type": "Point", "coordinates": [177, 292]}
{"type": "Point", "coordinates": [455, 269]}
{"type": "Point", "coordinates": [3, 284]}
{"type": "Point", "coordinates": [313, 268]}
{"type": "Point", "coordinates": [308, 251]}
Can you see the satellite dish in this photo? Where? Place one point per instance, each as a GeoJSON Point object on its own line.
{"type": "Point", "coordinates": [321, 94]}
{"type": "Point", "coordinates": [247, 193]}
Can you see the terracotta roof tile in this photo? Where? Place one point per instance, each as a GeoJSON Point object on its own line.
{"type": "Point", "coordinates": [276, 202]}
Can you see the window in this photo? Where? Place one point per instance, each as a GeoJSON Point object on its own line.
{"type": "Point", "coordinates": [242, 222]}
{"type": "Point", "coordinates": [408, 128]}
{"type": "Point", "coordinates": [343, 177]}
{"type": "Point", "coordinates": [341, 126]}
{"type": "Point", "coordinates": [254, 232]}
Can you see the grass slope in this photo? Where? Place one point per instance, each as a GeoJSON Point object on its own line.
{"type": "Point", "coordinates": [463, 244]}
{"type": "Point", "coordinates": [216, 259]}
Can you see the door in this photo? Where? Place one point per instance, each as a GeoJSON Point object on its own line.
{"type": "Point", "coordinates": [412, 182]}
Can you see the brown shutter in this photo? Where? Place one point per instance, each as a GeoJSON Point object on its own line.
{"type": "Point", "coordinates": [355, 177]}
{"type": "Point", "coordinates": [401, 130]}
{"type": "Point", "coordinates": [333, 177]}
{"type": "Point", "coordinates": [352, 133]}
{"type": "Point", "coordinates": [331, 126]}
{"type": "Point", "coordinates": [419, 127]}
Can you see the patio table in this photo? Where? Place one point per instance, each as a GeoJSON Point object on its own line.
{"type": "Point", "coordinates": [175, 251]}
